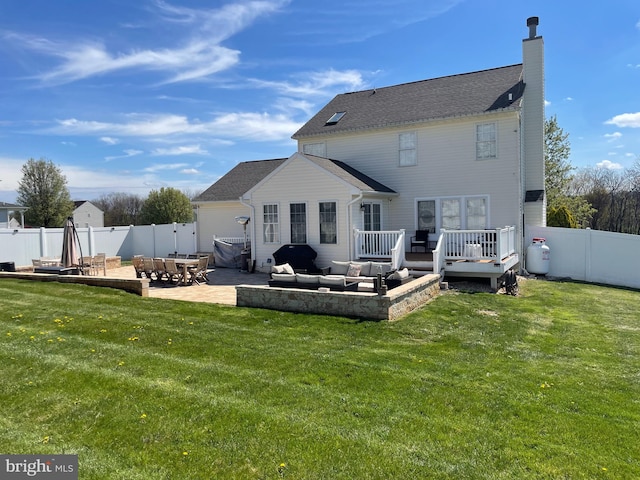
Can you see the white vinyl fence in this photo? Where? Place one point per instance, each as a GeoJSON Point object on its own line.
{"type": "Point", "coordinates": [591, 255]}
{"type": "Point", "coordinates": [22, 245]}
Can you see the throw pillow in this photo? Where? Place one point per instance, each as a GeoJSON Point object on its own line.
{"type": "Point", "coordinates": [354, 270]}
{"type": "Point", "coordinates": [286, 268]}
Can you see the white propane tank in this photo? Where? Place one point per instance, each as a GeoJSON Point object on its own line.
{"type": "Point", "coordinates": [538, 257]}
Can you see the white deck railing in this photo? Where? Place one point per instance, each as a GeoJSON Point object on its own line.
{"type": "Point", "coordinates": [478, 244]}
{"type": "Point", "coordinates": [230, 239]}
{"type": "Point", "coordinates": [378, 244]}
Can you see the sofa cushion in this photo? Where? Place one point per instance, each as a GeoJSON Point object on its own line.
{"type": "Point", "coordinates": [333, 280]}
{"type": "Point", "coordinates": [339, 268]}
{"type": "Point", "coordinates": [284, 277]}
{"type": "Point", "coordinates": [307, 279]}
{"type": "Point", "coordinates": [365, 268]}
{"type": "Point", "coordinates": [284, 268]}
{"type": "Point", "coordinates": [399, 275]}
{"type": "Point", "coordinates": [379, 267]}
{"type": "Point", "coordinates": [354, 270]}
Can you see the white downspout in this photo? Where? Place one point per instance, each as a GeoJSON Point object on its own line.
{"type": "Point", "coordinates": [350, 224]}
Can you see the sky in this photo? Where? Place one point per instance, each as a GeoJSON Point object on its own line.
{"type": "Point", "coordinates": [131, 96]}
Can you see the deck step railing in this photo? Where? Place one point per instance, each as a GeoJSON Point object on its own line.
{"type": "Point", "coordinates": [376, 244]}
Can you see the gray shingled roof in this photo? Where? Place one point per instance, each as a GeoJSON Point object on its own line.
{"type": "Point", "coordinates": [457, 95]}
{"type": "Point", "coordinates": [350, 175]}
{"type": "Point", "coordinates": [239, 180]}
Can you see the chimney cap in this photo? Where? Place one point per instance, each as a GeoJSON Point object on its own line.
{"type": "Point", "coordinates": [532, 21]}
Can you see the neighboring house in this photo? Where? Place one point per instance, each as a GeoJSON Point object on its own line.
{"type": "Point", "coordinates": [463, 153]}
{"type": "Point", "coordinates": [6, 211]}
{"type": "Point", "coordinates": [86, 214]}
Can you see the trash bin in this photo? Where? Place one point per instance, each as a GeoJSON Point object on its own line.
{"type": "Point", "coordinates": [7, 267]}
{"type": "Point", "coordinates": [245, 258]}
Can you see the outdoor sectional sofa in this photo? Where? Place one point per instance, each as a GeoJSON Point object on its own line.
{"type": "Point", "coordinates": [340, 276]}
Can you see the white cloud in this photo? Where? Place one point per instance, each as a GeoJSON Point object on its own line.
{"type": "Point", "coordinates": [109, 140]}
{"type": "Point", "coordinates": [183, 150]}
{"type": "Point", "coordinates": [127, 153]}
{"type": "Point", "coordinates": [257, 126]}
{"type": "Point", "coordinates": [314, 84]}
{"type": "Point", "coordinates": [631, 120]}
{"type": "Point", "coordinates": [190, 171]}
{"type": "Point", "coordinates": [609, 165]}
{"type": "Point", "coordinates": [612, 137]}
{"type": "Point", "coordinates": [199, 55]}
{"type": "Point", "coordinates": [547, 103]}
{"type": "Point", "coordinates": [165, 166]}
{"type": "Point", "coordinates": [569, 99]}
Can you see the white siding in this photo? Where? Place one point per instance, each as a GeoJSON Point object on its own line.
{"type": "Point", "coordinates": [447, 166]}
{"type": "Point", "coordinates": [533, 127]}
{"type": "Point", "coordinates": [301, 181]}
{"type": "Point", "coordinates": [218, 218]}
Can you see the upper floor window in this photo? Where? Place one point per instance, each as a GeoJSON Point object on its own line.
{"type": "Point", "coordinates": [408, 155]}
{"type": "Point", "coordinates": [317, 149]}
{"type": "Point", "coordinates": [271, 225]}
{"type": "Point", "coordinates": [328, 222]}
{"type": "Point", "coordinates": [298, 217]}
{"type": "Point", "coordinates": [486, 141]}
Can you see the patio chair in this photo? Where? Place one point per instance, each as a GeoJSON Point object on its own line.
{"type": "Point", "coordinates": [172, 271]}
{"type": "Point", "coordinates": [420, 239]}
{"type": "Point", "coordinates": [159, 269]}
{"type": "Point", "coordinates": [198, 273]}
{"type": "Point", "coordinates": [100, 263]}
{"type": "Point", "coordinates": [86, 265]}
{"type": "Point", "coordinates": [138, 265]}
{"type": "Point", "coordinates": [148, 267]}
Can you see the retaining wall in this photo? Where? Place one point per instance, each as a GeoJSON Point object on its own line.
{"type": "Point", "coordinates": [139, 286]}
{"type": "Point", "coordinates": [392, 306]}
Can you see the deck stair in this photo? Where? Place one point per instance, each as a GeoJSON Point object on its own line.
{"type": "Point", "coordinates": [419, 264]}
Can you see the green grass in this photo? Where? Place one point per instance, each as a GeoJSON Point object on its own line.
{"type": "Point", "coordinates": [541, 386]}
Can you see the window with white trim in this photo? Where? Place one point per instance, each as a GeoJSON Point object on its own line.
{"type": "Point", "coordinates": [407, 149]}
{"type": "Point", "coordinates": [317, 149]}
{"type": "Point", "coordinates": [328, 222]}
{"type": "Point", "coordinates": [486, 141]}
{"type": "Point", "coordinates": [271, 225]}
{"type": "Point", "coordinates": [298, 218]}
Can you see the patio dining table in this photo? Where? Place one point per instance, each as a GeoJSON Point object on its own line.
{"type": "Point", "coordinates": [185, 263]}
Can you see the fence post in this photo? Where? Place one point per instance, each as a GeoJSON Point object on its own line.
{"type": "Point", "coordinates": [587, 254]}
{"type": "Point", "coordinates": [194, 235]}
{"type": "Point", "coordinates": [43, 242]}
{"type": "Point", "coordinates": [92, 241]}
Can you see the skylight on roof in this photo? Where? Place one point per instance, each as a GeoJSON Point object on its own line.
{"type": "Point", "coordinates": [335, 118]}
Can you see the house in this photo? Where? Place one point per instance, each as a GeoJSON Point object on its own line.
{"type": "Point", "coordinates": [86, 214]}
{"type": "Point", "coordinates": [460, 156]}
{"type": "Point", "coordinates": [7, 215]}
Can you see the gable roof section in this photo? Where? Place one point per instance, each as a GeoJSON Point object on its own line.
{"type": "Point", "coordinates": [349, 174]}
{"type": "Point", "coordinates": [238, 180]}
{"type": "Point", "coordinates": [452, 96]}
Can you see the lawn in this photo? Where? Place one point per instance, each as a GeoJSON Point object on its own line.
{"type": "Point", "coordinates": [541, 386]}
